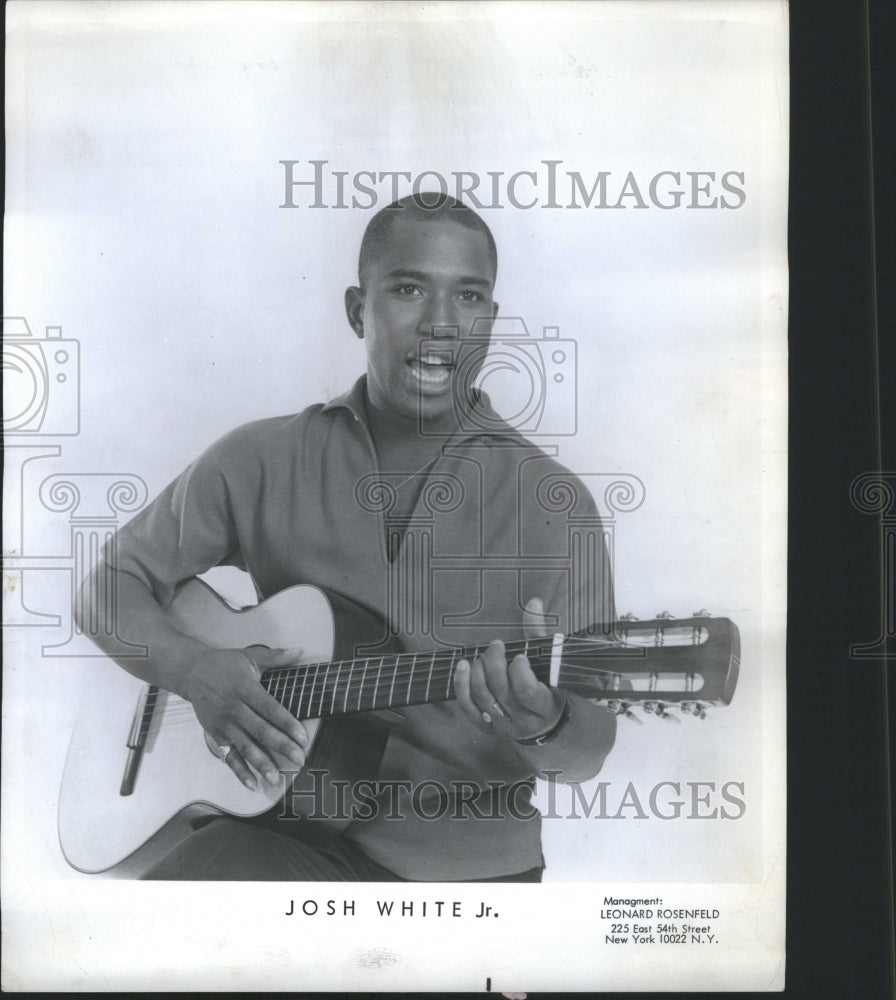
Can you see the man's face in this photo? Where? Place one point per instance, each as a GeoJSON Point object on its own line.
{"type": "Point", "coordinates": [433, 278]}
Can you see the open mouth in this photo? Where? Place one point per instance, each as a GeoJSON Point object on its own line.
{"type": "Point", "coordinates": [431, 368]}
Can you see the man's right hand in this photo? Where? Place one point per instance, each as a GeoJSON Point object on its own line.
{"type": "Point", "coordinates": [236, 711]}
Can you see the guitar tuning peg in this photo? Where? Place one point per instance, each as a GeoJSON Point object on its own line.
{"type": "Point", "coordinates": [628, 617]}
{"type": "Point", "coordinates": [665, 614]}
{"type": "Point", "coordinates": [662, 712]}
{"type": "Point", "coordinates": [699, 710]}
{"type": "Point", "coordinates": [702, 613]}
{"type": "Point", "coordinates": [618, 707]}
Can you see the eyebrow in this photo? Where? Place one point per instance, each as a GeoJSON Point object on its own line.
{"type": "Point", "coordinates": [423, 276]}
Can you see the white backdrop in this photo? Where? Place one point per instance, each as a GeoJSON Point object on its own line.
{"type": "Point", "coordinates": [143, 217]}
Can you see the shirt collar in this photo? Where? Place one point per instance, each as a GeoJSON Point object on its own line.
{"type": "Point", "coordinates": [494, 425]}
{"type": "Point", "coordinates": [353, 401]}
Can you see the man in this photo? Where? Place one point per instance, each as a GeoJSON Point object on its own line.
{"type": "Point", "coordinates": [289, 500]}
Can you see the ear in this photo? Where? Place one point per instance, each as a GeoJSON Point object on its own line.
{"type": "Point", "coordinates": [354, 308]}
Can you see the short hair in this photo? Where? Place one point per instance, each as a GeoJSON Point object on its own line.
{"type": "Point", "coordinates": [423, 206]}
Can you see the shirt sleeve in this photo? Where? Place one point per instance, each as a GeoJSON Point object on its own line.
{"type": "Point", "coordinates": [581, 598]}
{"type": "Point", "coordinates": [186, 530]}
{"type": "Point", "coordinates": [564, 530]}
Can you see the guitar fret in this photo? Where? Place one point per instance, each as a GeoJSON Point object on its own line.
{"type": "Point", "coordinates": [394, 672]}
{"type": "Point", "coordinates": [450, 674]}
{"type": "Point", "coordinates": [293, 674]}
{"type": "Point", "coordinates": [361, 686]}
{"type": "Point", "coordinates": [336, 688]}
{"type": "Point", "coordinates": [348, 684]}
{"type": "Point", "coordinates": [313, 688]}
{"type": "Point", "coordinates": [407, 700]}
{"type": "Point", "coordinates": [302, 692]}
{"type": "Point", "coordinates": [376, 686]}
{"type": "Point", "coordinates": [432, 663]}
{"type": "Point", "coordinates": [323, 691]}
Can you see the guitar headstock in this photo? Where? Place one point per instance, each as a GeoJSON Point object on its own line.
{"type": "Point", "coordinates": [664, 664]}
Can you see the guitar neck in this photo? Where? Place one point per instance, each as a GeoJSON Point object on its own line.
{"type": "Point", "coordinates": [342, 687]}
{"type": "Point", "coordinates": [673, 660]}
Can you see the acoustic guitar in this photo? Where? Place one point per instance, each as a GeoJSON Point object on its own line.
{"type": "Point", "coordinates": [140, 774]}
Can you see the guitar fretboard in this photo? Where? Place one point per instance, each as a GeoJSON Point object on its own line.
{"type": "Point", "coordinates": [322, 690]}
{"type": "Point", "coordinates": [671, 659]}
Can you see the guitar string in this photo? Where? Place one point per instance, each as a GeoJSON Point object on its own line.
{"type": "Point", "coordinates": [281, 677]}
{"type": "Point", "coordinates": [284, 675]}
{"type": "Point", "coordinates": [406, 671]}
{"type": "Point", "coordinates": [181, 710]}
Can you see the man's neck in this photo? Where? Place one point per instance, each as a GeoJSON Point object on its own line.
{"type": "Point", "coordinates": [402, 443]}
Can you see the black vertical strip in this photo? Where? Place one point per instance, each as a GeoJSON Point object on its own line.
{"type": "Point", "coordinates": [838, 926]}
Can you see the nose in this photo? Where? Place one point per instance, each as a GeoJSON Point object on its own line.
{"type": "Point", "coordinates": [440, 318]}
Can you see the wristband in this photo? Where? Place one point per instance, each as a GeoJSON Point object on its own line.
{"type": "Point", "coordinates": [551, 734]}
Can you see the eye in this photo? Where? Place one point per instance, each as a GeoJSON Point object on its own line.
{"type": "Point", "coordinates": [407, 290]}
{"type": "Point", "coordinates": [468, 295]}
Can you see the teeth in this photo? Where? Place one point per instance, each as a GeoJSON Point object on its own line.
{"type": "Point", "coordinates": [422, 371]}
{"type": "Point", "coordinates": [432, 359]}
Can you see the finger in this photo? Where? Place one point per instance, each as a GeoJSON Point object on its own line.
{"type": "Point", "coordinates": [272, 712]}
{"type": "Point", "coordinates": [534, 619]}
{"type": "Point", "coordinates": [494, 666]}
{"type": "Point", "coordinates": [462, 691]}
{"type": "Point", "coordinates": [248, 748]}
{"type": "Point", "coordinates": [282, 657]}
{"type": "Point", "coordinates": [265, 658]}
{"type": "Point", "coordinates": [526, 687]}
{"type": "Point", "coordinates": [236, 764]}
{"type": "Point", "coordinates": [273, 728]}
{"type": "Point", "coordinates": [483, 697]}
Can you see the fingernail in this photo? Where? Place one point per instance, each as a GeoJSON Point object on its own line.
{"type": "Point", "coordinates": [271, 777]}
{"type": "Point", "coordinates": [250, 783]}
{"type": "Point", "coordinates": [462, 665]}
{"type": "Point", "coordinates": [296, 756]}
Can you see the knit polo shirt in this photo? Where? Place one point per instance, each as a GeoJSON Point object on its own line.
{"type": "Point", "coordinates": [300, 499]}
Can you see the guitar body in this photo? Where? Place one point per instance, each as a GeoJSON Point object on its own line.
{"type": "Point", "coordinates": [179, 783]}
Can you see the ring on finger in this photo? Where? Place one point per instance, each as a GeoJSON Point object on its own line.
{"type": "Point", "coordinates": [224, 751]}
{"type": "Point", "coordinates": [497, 709]}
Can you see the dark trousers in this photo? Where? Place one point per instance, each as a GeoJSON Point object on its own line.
{"type": "Point", "coordinates": [230, 850]}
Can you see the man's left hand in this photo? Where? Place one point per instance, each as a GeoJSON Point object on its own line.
{"type": "Point", "coordinates": [508, 699]}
